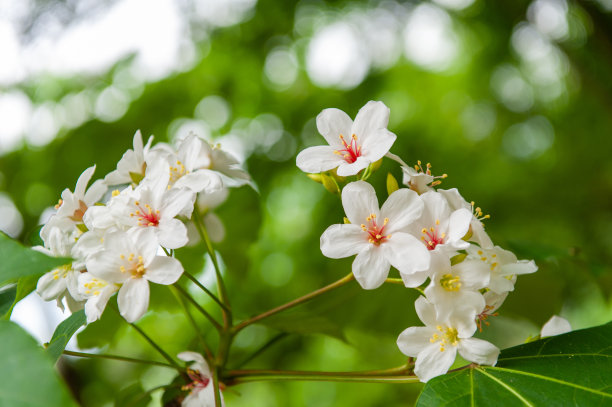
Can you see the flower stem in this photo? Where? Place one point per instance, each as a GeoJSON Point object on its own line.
{"type": "Point", "coordinates": [155, 345]}
{"type": "Point", "coordinates": [395, 375]}
{"type": "Point", "coordinates": [120, 358]}
{"type": "Point", "coordinates": [206, 290]}
{"type": "Point", "coordinates": [189, 298]}
{"type": "Point", "coordinates": [216, 389]}
{"type": "Point", "coordinates": [344, 280]}
{"type": "Point", "coordinates": [199, 223]}
{"type": "Point", "coordinates": [399, 281]}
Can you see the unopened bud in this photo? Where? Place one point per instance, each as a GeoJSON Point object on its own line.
{"type": "Point", "coordinates": [330, 184]}
{"type": "Point", "coordinates": [392, 184]}
{"type": "Point", "coordinates": [315, 177]}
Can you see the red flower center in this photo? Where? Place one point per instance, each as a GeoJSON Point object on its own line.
{"type": "Point", "coordinates": [351, 151]}
{"type": "Point", "coordinates": [432, 237]}
{"type": "Point", "coordinates": [146, 216]}
{"type": "Point", "coordinates": [375, 231]}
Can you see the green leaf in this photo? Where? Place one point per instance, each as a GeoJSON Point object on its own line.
{"type": "Point", "coordinates": [25, 286]}
{"type": "Point", "coordinates": [64, 332]}
{"type": "Point", "coordinates": [303, 323]}
{"type": "Point", "coordinates": [7, 298]}
{"type": "Point", "coordinates": [570, 369]}
{"type": "Point", "coordinates": [101, 332]}
{"type": "Point", "coordinates": [133, 396]}
{"type": "Point", "coordinates": [28, 376]}
{"type": "Point", "coordinates": [19, 261]}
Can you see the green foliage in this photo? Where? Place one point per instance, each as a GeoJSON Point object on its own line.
{"type": "Point", "coordinates": [19, 261]}
{"type": "Point", "coordinates": [28, 376]}
{"type": "Point", "coordinates": [574, 368]}
{"type": "Point", "coordinates": [133, 396]}
{"type": "Point", "coordinates": [64, 332]}
{"type": "Point", "coordinates": [7, 299]}
{"type": "Point", "coordinates": [303, 323]}
{"type": "Point", "coordinates": [25, 285]}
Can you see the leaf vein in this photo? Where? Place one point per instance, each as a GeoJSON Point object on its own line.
{"type": "Point", "coordinates": [507, 387]}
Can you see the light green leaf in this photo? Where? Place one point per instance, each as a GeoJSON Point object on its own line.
{"type": "Point", "coordinates": [303, 323]}
{"type": "Point", "coordinates": [571, 369]}
{"type": "Point", "coordinates": [64, 332]}
{"type": "Point", "coordinates": [25, 286]}
{"type": "Point", "coordinates": [19, 261]}
{"type": "Point", "coordinates": [28, 376]}
{"type": "Point", "coordinates": [392, 184]}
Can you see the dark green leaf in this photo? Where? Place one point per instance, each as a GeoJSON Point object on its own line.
{"type": "Point", "coordinates": [19, 261]}
{"type": "Point", "coordinates": [172, 393]}
{"type": "Point", "coordinates": [303, 323]}
{"type": "Point", "coordinates": [571, 369]}
{"type": "Point", "coordinates": [28, 376]}
{"type": "Point", "coordinates": [133, 396]}
{"type": "Point", "coordinates": [64, 332]}
{"type": "Point", "coordinates": [25, 286]}
{"type": "Point", "coordinates": [7, 298]}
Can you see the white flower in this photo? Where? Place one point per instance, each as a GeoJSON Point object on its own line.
{"type": "Point", "coordinates": [151, 205]}
{"type": "Point", "coordinates": [503, 265]}
{"type": "Point", "coordinates": [186, 167]}
{"type": "Point", "coordinates": [130, 259]}
{"type": "Point", "coordinates": [435, 345]}
{"type": "Point", "coordinates": [376, 236]}
{"type": "Point", "coordinates": [416, 178]}
{"type": "Point", "coordinates": [214, 158]}
{"type": "Point", "coordinates": [455, 290]}
{"type": "Point", "coordinates": [201, 388]}
{"type": "Point", "coordinates": [352, 145]}
{"type": "Point", "coordinates": [96, 292]}
{"type": "Point", "coordinates": [205, 203]}
{"type": "Point", "coordinates": [556, 325]}
{"type": "Point", "coordinates": [477, 231]}
{"type": "Point", "coordinates": [131, 167]}
{"type": "Point", "coordinates": [440, 229]}
{"type": "Point", "coordinates": [73, 205]}
{"type": "Point", "coordinates": [60, 282]}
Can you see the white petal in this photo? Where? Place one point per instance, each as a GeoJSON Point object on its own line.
{"type": "Point", "coordinates": [459, 224]}
{"type": "Point", "coordinates": [520, 267]}
{"type": "Point", "coordinates": [346, 169]}
{"type": "Point", "coordinates": [555, 326]}
{"type": "Point", "coordinates": [339, 241]}
{"type": "Point", "coordinates": [81, 185]}
{"type": "Point", "coordinates": [371, 268]}
{"type": "Point", "coordinates": [50, 288]}
{"type": "Point", "coordinates": [426, 311]}
{"type": "Point", "coordinates": [200, 363]}
{"type": "Point", "coordinates": [500, 284]}
{"type": "Point", "coordinates": [370, 118]}
{"type": "Point", "coordinates": [175, 200]}
{"type": "Point", "coordinates": [431, 362]}
{"type": "Point", "coordinates": [402, 208]}
{"type": "Point", "coordinates": [414, 339]}
{"type": "Point", "coordinates": [164, 270]}
{"type": "Point", "coordinates": [94, 307]}
{"type": "Point", "coordinates": [331, 123]}
{"type": "Point", "coordinates": [436, 207]}
{"type": "Point", "coordinates": [359, 201]}
{"type": "Point", "coordinates": [172, 234]}
{"type": "Point", "coordinates": [106, 265]}
{"type": "Point", "coordinates": [377, 144]}
{"type": "Point", "coordinates": [95, 192]}
{"type": "Point", "coordinates": [133, 299]}
{"type": "Point", "coordinates": [318, 159]}
{"type": "Point", "coordinates": [406, 253]}
{"type": "Point", "coordinates": [145, 243]}
{"type": "Point", "coordinates": [478, 351]}
{"type": "Point", "coordinates": [474, 274]}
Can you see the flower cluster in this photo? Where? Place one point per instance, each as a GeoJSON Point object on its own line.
{"type": "Point", "coordinates": [120, 230]}
{"type": "Point", "coordinates": [433, 237]}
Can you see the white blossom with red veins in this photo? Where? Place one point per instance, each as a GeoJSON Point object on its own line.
{"type": "Point", "coordinates": [435, 345]}
{"type": "Point", "coordinates": [129, 260]}
{"type": "Point", "coordinates": [439, 228]}
{"type": "Point", "coordinates": [376, 236]}
{"type": "Point", "coordinates": [152, 205]}
{"type": "Point", "coordinates": [352, 145]}
{"type": "Point", "coordinates": [477, 229]}
{"type": "Point", "coordinates": [503, 266]}
{"type": "Point", "coordinates": [201, 390]}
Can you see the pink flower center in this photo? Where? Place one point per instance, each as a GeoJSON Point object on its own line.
{"type": "Point", "coordinates": [432, 237]}
{"type": "Point", "coordinates": [482, 317]}
{"type": "Point", "coordinates": [351, 151]}
{"type": "Point", "coordinates": [198, 383]}
{"type": "Point", "coordinates": [146, 216]}
{"type": "Point", "coordinates": [376, 232]}
{"type": "Point", "coordinates": [78, 214]}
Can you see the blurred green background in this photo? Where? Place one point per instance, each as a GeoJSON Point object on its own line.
{"type": "Point", "coordinates": [512, 99]}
